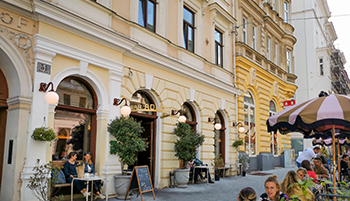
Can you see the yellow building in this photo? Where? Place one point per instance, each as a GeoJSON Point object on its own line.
{"type": "Point", "coordinates": [265, 73]}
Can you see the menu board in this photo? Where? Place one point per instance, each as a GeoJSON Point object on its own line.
{"type": "Point", "coordinates": [141, 180]}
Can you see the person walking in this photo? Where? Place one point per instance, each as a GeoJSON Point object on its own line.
{"type": "Point", "coordinates": [308, 154]}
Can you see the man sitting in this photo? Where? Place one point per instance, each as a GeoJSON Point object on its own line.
{"type": "Point", "coordinates": [198, 171]}
{"type": "Point", "coordinates": [319, 169]}
{"type": "Point", "coordinates": [344, 165]}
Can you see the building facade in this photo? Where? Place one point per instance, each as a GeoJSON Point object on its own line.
{"type": "Point", "coordinates": [158, 55]}
{"type": "Point", "coordinates": [265, 74]}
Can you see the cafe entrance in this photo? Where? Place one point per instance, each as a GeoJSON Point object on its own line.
{"type": "Point", "coordinates": [3, 118]}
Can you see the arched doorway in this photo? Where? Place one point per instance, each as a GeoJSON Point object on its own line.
{"type": "Point", "coordinates": [148, 121]}
{"type": "Point", "coordinates": [190, 115]}
{"type": "Point", "coordinates": [75, 119]}
{"type": "Point", "coordinates": [220, 136]}
{"type": "Point", "coordinates": [3, 118]}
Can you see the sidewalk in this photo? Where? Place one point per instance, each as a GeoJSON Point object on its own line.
{"type": "Point", "coordinates": [225, 189]}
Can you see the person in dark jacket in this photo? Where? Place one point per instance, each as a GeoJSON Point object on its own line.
{"type": "Point", "coordinates": [344, 165]}
{"type": "Point", "coordinates": [70, 172]}
{"type": "Point", "coordinates": [198, 171]}
{"type": "Point", "coordinates": [89, 168]}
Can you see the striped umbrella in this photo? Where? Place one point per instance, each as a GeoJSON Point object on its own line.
{"type": "Point", "coordinates": [318, 115]}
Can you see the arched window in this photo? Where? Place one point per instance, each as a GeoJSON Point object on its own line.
{"type": "Point", "coordinates": [273, 144]}
{"type": "Point", "coordinates": [249, 124]}
{"type": "Point", "coordinates": [75, 119]}
{"type": "Point", "coordinates": [190, 115]}
{"type": "Point", "coordinates": [220, 136]}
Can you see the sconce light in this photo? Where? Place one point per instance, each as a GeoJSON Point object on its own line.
{"type": "Point", "coordinates": [217, 126]}
{"type": "Point", "coordinates": [125, 110]}
{"type": "Point", "coordinates": [51, 97]}
{"type": "Point", "coordinates": [182, 118]}
{"type": "Point", "coordinates": [240, 128]}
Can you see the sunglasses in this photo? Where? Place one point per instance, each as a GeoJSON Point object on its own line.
{"type": "Point", "coordinates": [86, 153]}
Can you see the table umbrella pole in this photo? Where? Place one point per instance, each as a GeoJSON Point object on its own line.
{"type": "Point", "coordinates": [339, 161]}
{"type": "Point", "coordinates": [334, 165]}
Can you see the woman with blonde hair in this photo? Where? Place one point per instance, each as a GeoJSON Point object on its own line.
{"type": "Point", "coordinates": [289, 186]}
{"type": "Point", "coordinates": [89, 169]}
{"type": "Point", "coordinates": [272, 188]}
{"type": "Point", "coordinates": [247, 194]}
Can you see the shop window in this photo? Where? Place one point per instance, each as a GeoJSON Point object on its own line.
{"type": "Point", "coordinates": [220, 137]}
{"type": "Point", "coordinates": [188, 29]}
{"type": "Point", "coordinates": [274, 141]}
{"type": "Point", "coordinates": [74, 121]}
{"type": "Point", "coordinates": [249, 124]}
{"type": "Point", "coordinates": [218, 48]}
{"type": "Point", "coordinates": [147, 14]}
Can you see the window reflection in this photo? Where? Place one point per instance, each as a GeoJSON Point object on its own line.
{"type": "Point", "coordinates": [140, 102]}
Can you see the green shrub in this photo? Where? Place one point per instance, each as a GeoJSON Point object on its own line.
{"type": "Point", "coordinates": [43, 134]}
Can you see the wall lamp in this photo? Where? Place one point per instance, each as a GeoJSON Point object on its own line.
{"type": "Point", "coordinates": [125, 110]}
{"type": "Point", "coordinates": [217, 126]}
{"type": "Point", "coordinates": [51, 97]}
{"type": "Point", "coordinates": [241, 128]}
{"type": "Point", "coordinates": [182, 118]}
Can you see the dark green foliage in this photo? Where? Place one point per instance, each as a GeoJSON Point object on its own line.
{"type": "Point", "coordinates": [43, 134]}
{"type": "Point", "coordinates": [128, 142]}
{"type": "Point", "coordinates": [77, 139]}
{"type": "Point", "coordinates": [237, 143]}
{"type": "Point", "coordinates": [187, 143]}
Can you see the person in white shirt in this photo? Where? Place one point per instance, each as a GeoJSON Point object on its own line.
{"type": "Point", "coordinates": [308, 154]}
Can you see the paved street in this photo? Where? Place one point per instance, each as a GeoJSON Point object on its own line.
{"type": "Point", "coordinates": [225, 189]}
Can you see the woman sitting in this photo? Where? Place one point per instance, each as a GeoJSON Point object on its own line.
{"type": "Point", "coordinates": [289, 186]}
{"type": "Point", "coordinates": [272, 188]}
{"type": "Point", "coordinates": [247, 194]}
{"type": "Point", "coordinates": [306, 164]}
{"type": "Point", "coordinates": [71, 172]}
{"type": "Point", "coordinates": [89, 168]}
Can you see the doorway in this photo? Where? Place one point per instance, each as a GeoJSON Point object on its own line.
{"type": "Point", "coordinates": [3, 118]}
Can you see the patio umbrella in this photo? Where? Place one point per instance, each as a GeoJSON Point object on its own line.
{"type": "Point", "coordinates": [327, 112]}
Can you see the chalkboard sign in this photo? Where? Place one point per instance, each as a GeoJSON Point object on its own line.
{"type": "Point", "coordinates": [141, 180]}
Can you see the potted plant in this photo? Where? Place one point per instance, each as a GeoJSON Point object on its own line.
{"type": "Point", "coordinates": [244, 159]}
{"type": "Point", "coordinates": [218, 162]}
{"type": "Point", "coordinates": [185, 147]}
{"type": "Point", "coordinates": [237, 143]}
{"type": "Point", "coordinates": [44, 134]}
{"type": "Point", "coordinates": [128, 142]}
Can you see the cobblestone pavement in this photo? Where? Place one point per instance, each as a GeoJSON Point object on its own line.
{"type": "Point", "coordinates": [225, 189]}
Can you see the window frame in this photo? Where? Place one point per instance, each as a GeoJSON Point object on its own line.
{"type": "Point", "coordinates": [255, 28]}
{"type": "Point", "coordinates": [185, 31]}
{"type": "Point", "coordinates": [245, 30]}
{"type": "Point", "coordinates": [289, 61]}
{"type": "Point", "coordinates": [276, 53]}
{"type": "Point", "coordinates": [219, 44]}
{"type": "Point", "coordinates": [320, 61]}
{"type": "Point", "coordinates": [286, 12]}
{"type": "Point", "coordinates": [271, 112]}
{"type": "Point", "coordinates": [145, 18]}
{"type": "Point", "coordinates": [250, 123]}
{"type": "Point", "coordinates": [268, 48]}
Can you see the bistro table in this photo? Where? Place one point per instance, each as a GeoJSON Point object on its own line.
{"type": "Point", "coordinates": [88, 179]}
{"type": "Point", "coordinates": [207, 171]}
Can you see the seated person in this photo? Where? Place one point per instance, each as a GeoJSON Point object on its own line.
{"type": "Point", "coordinates": [89, 168]}
{"type": "Point", "coordinates": [198, 171]}
{"type": "Point", "coordinates": [344, 165]}
{"type": "Point", "coordinates": [319, 169]}
{"type": "Point", "coordinates": [306, 164]}
{"type": "Point", "coordinates": [273, 190]}
{"type": "Point", "coordinates": [288, 187]}
{"type": "Point", "coordinates": [70, 172]}
{"type": "Point", "coordinates": [325, 162]}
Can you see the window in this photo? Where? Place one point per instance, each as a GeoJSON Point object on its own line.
{"type": "Point", "coordinates": [147, 13]}
{"type": "Point", "coordinates": [254, 37]}
{"type": "Point", "coordinates": [249, 124]}
{"type": "Point", "coordinates": [74, 119]}
{"type": "Point", "coordinates": [321, 66]}
{"type": "Point", "coordinates": [245, 29]}
{"type": "Point", "coordinates": [286, 12]}
{"type": "Point", "coordinates": [220, 136]}
{"type": "Point", "coordinates": [289, 67]}
{"type": "Point", "coordinates": [218, 48]}
{"type": "Point", "coordinates": [276, 53]}
{"type": "Point", "coordinates": [269, 48]}
{"type": "Point", "coordinates": [274, 141]}
{"type": "Point", "coordinates": [188, 30]}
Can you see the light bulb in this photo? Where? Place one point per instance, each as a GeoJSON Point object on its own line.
{"type": "Point", "coordinates": [52, 97]}
{"type": "Point", "coordinates": [182, 119]}
{"type": "Point", "coordinates": [125, 110]}
{"type": "Point", "coordinates": [241, 129]}
{"type": "Point", "coordinates": [217, 126]}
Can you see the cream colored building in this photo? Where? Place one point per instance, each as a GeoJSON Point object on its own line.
{"type": "Point", "coordinates": [94, 52]}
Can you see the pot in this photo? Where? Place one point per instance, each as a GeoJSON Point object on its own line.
{"type": "Point", "coordinates": [217, 177]}
{"type": "Point", "coordinates": [182, 177]}
{"type": "Point", "coordinates": [121, 185]}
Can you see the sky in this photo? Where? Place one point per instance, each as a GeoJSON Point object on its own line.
{"type": "Point", "coordinates": [340, 12]}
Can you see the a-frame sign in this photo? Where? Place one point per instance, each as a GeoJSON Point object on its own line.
{"type": "Point", "coordinates": [140, 179]}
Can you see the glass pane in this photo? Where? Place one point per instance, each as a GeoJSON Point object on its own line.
{"type": "Point", "coordinates": [141, 18]}
{"type": "Point", "coordinates": [188, 113]}
{"type": "Point", "coordinates": [150, 16]}
{"type": "Point", "coordinates": [190, 39]}
{"type": "Point", "coordinates": [74, 92]}
{"type": "Point", "coordinates": [252, 132]}
{"type": "Point", "coordinates": [272, 106]}
{"type": "Point", "coordinates": [219, 55]}
{"type": "Point", "coordinates": [248, 98]}
{"type": "Point", "coordinates": [218, 37]}
{"type": "Point", "coordinates": [185, 36]}
{"type": "Point", "coordinates": [188, 16]}
{"type": "Point", "coordinates": [246, 127]}
{"type": "Point", "coordinates": [73, 131]}
{"type": "Point", "coordinates": [140, 103]}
